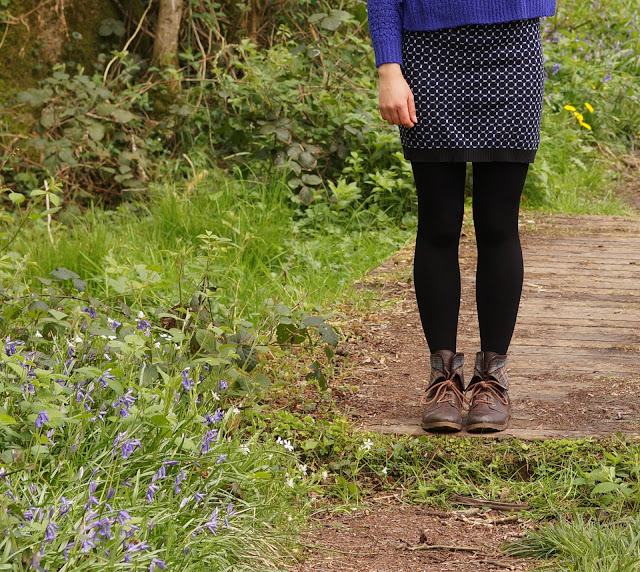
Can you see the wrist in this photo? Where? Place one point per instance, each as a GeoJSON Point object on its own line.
{"type": "Point", "coordinates": [389, 70]}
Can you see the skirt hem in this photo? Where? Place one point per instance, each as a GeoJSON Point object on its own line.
{"type": "Point", "coordinates": [469, 155]}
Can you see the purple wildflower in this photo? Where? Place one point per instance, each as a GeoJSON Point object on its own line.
{"type": "Point", "coordinates": [606, 78]}
{"type": "Point", "coordinates": [28, 388]}
{"type": "Point", "coordinates": [87, 545]}
{"type": "Point", "coordinates": [199, 497]}
{"type": "Point", "coordinates": [211, 436]}
{"type": "Point", "coordinates": [156, 562]}
{"type": "Point", "coordinates": [104, 526]}
{"type": "Point", "coordinates": [129, 446]}
{"type": "Point", "coordinates": [212, 525]}
{"type": "Point", "coordinates": [556, 69]}
{"type": "Point", "coordinates": [221, 459]}
{"type": "Point", "coordinates": [124, 402]}
{"type": "Point", "coordinates": [115, 325]}
{"type": "Point", "coordinates": [138, 547]}
{"type": "Point", "coordinates": [50, 532]}
{"type": "Point", "coordinates": [223, 384]}
{"type": "Point", "coordinates": [42, 418]}
{"type": "Point", "coordinates": [179, 479]}
{"type": "Point", "coordinates": [90, 311]}
{"type": "Point", "coordinates": [50, 434]}
{"type": "Point", "coordinates": [187, 382]}
{"type": "Point", "coordinates": [215, 418]}
{"type": "Point", "coordinates": [65, 506]}
{"type": "Point", "coordinates": [91, 501]}
{"type": "Point", "coordinates": [123, 516]}
{"type": "Point", "coordinates": [10, 346]}
{"type": "Point", "coordinates": [105, 378]}
{"type": "Point", "coordinates": [153, 489]}
{"type": "Point", "coordinates": [144, 326]}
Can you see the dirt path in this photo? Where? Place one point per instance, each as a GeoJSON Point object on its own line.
{"type": "Point", "coordinates": [574, 366]}
{"type": "Point", "coordinates": [574, 361]}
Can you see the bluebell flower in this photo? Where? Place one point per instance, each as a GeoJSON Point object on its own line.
{"type": "Point", "coordinates": [199, 497]}
{"type": "Point", "coordinates": [153, 489]}
{"type": "Point", "coordinates": [65, 506]}
{"type": "Point", "coordinates": [42, 418]}
{"type": "Point", "coordinates": [90, 311]}
{"type": "Point", "coordinates": [28, 388]}
{"type": "Point", "coordinates": [211, 436]}
{"type": "Point", "coordinates": [106, 377]}
{"type": "Point", "coordinates": [10, 346]}
{"type": "Point", "coordinates": [606, 78]}
{"type": "Point", "coordinates": [187, 382]}
{"type": "Point", "coordinates": [221, 459]}
{"type": "Point", "coordinates": [138, 547]}
{"type": "Point", "coordinates": [556, 69]}
{"type": "Point", "coordinates": [212, 525]}
{"type": "Point", "coordinates": [123, 517]}
{"type": "Point", "coordinates": [128, 447]}
{"type": "Point", "coordinates": [159, 563]}
{"type": "Point", "coordinates": [179, 479]}
{"type": "Point", "coordinates": [124, 402]}
{"type": "Point", "coordinates": [223, 384]}
{"type": "Point", "coordinates": [215, 418]}
{"type": "Point", "coordinates": [50, 532]}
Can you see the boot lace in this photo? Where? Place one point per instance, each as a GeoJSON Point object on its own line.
{"type": "Point", "coordinates": [442, 394]}
{"type": "Point", "coordinates": [482, 391]}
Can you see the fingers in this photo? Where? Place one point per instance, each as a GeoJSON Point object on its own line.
{"type": "Point", "coordinates": [403, 114]}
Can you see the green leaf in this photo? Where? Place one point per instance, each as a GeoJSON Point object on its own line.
{"type": "Point", "coordinates": [603, 488]}
{"type": "Point", "coordinates": [57, 314]}
{"type": "Point", "coordinates": [312, 180]}
{"type": "Point", "coordinates": [16, 198]}
{"type": "Point", "coordinates": [309, 444]}
{"type": "Point", "coordinates": [122, 115]}
{"type": "Point", "coordinates": [328, 334]}
{"type": "Point", "coordinates": [313, 321]}
{"type": "Point", "coordinates": [96, 131]}
{"type": "Point", "coordinates": [206, 340]}
{"type": "Point", "coordinates": [316, 373]}
{"type": "Point", "coordinates": [160, 421]}
{"type": "Point", "coordinates": [331, 23]}
{"type": "Point", "coordinates": [7, 419]}
{"type": "Point", "coordinates": [262, 380]}
{"type": "Point", "coordinates": [61, 273]}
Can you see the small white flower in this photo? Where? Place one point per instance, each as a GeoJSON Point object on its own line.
{"type": "Point", "coordinates": [156, 344]}
{"type": "Point", "coordinates": [80, 473]}
{"type": "Point", "coordinates": [103, 337]}
{"type": "Point", "coordinates": [290, 482]}
{"type": "Point", "coordinates": [235, 411]}
{"type": "Point", "coordinates": [112, 337]}
{"type": "Point", "coordinates": [302, 469]}
{"type": "Point", "coordinates": [215, 396]}
{"type": "Point", "coordinates": [78, 340]}
{"type": "Point", "coordinates": [141, 314]}
{"type": "Point", "coordinates": [184, 501]}
{"type": "Point", "coordinates": [325, 475]}
{"type": "Point", "coordinates": [176, 346]}
{"type": "Point", "coordinates": [38, 334]}
{"type": "Point", "coordinates": [270, 456]}
{"type": "Point", "coordinates": [287, 445]}
{"type": "Point", "coordinates": [244, 449]}
{"type": "Point", "coordinates": [385, 471]}
{"type": "Point", "coordinates": [367, 445]}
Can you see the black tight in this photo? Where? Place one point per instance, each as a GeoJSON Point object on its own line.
{"type": "Point", "coordinates": [496, 199]}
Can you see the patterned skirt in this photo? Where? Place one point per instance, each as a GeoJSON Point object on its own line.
{"type": "Point", "coordinates": [478, 90]}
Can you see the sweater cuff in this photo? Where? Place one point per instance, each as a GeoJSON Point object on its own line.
{"type": "Point", "coordinates": [388, 53]}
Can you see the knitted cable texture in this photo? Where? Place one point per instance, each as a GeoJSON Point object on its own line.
{"type": "Point", "coordinates": [387, 18]}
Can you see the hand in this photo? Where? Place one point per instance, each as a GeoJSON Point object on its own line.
{"type": "Point", "coordinates": [397, 106]}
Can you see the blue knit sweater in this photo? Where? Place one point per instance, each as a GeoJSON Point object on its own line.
{"type": "Point", "coordinates": [387, 18]}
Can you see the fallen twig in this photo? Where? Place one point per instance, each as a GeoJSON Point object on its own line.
{"type": "Point", "coordinates": [444, 547]}
{"type": "Point", "coordinates": [495, 505]}
{"type": "Point", "coordinates": [495, 563]}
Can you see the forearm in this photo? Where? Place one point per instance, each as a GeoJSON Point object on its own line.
{"type": "Point", "coordinates": [385, 28]}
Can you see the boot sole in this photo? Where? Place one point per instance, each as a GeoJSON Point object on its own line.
{"type": "Point", "coordinates": [442, 426]}
{"type": "Point", "coordinates": [487, 427]}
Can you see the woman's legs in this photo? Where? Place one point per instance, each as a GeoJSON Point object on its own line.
{"type": "Point", "coordinates": [436, 272]}
{"type": "Point", "coordinates": [497, 188]}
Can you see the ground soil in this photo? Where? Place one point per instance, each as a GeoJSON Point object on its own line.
{"type": "Point", "coordinates": [574, 368]}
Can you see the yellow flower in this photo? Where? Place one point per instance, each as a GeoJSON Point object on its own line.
{"type": "Point", "coordinates": [569, 108]}
{"type": "Point", "coordinates": [579, 117]}
{"type": "Point", "coordinates": [585, 125]}
{"type": "Point", "coordinates": [589, 107]}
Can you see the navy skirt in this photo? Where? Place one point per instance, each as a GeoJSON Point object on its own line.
{"type": "Point", "coordinates": [478, 90]}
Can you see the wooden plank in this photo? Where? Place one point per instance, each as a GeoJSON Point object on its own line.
{"type": "Point", "coordinates": [533, 434]}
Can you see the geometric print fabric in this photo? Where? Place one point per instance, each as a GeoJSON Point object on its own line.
{"type": "Point", "coordinates": [478, 91]}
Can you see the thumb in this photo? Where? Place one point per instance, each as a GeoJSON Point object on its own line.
{"type": "Point", "coordinates": [412, 108]}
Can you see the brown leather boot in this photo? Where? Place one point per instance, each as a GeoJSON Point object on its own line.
{"type": "Point", "coordinates": [489, 404]}
{"type": "Point", "coordinates": [443, 398]}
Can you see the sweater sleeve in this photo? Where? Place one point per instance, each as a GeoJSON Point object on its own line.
{"type": "Point", "coordinates": [385, 27]}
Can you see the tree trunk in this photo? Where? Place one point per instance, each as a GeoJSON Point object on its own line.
{"type": "Point", "coordinates": [165, 47]}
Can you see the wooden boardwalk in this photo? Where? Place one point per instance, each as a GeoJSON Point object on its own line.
{"type": "Point", "coordinates": [574, 361]}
